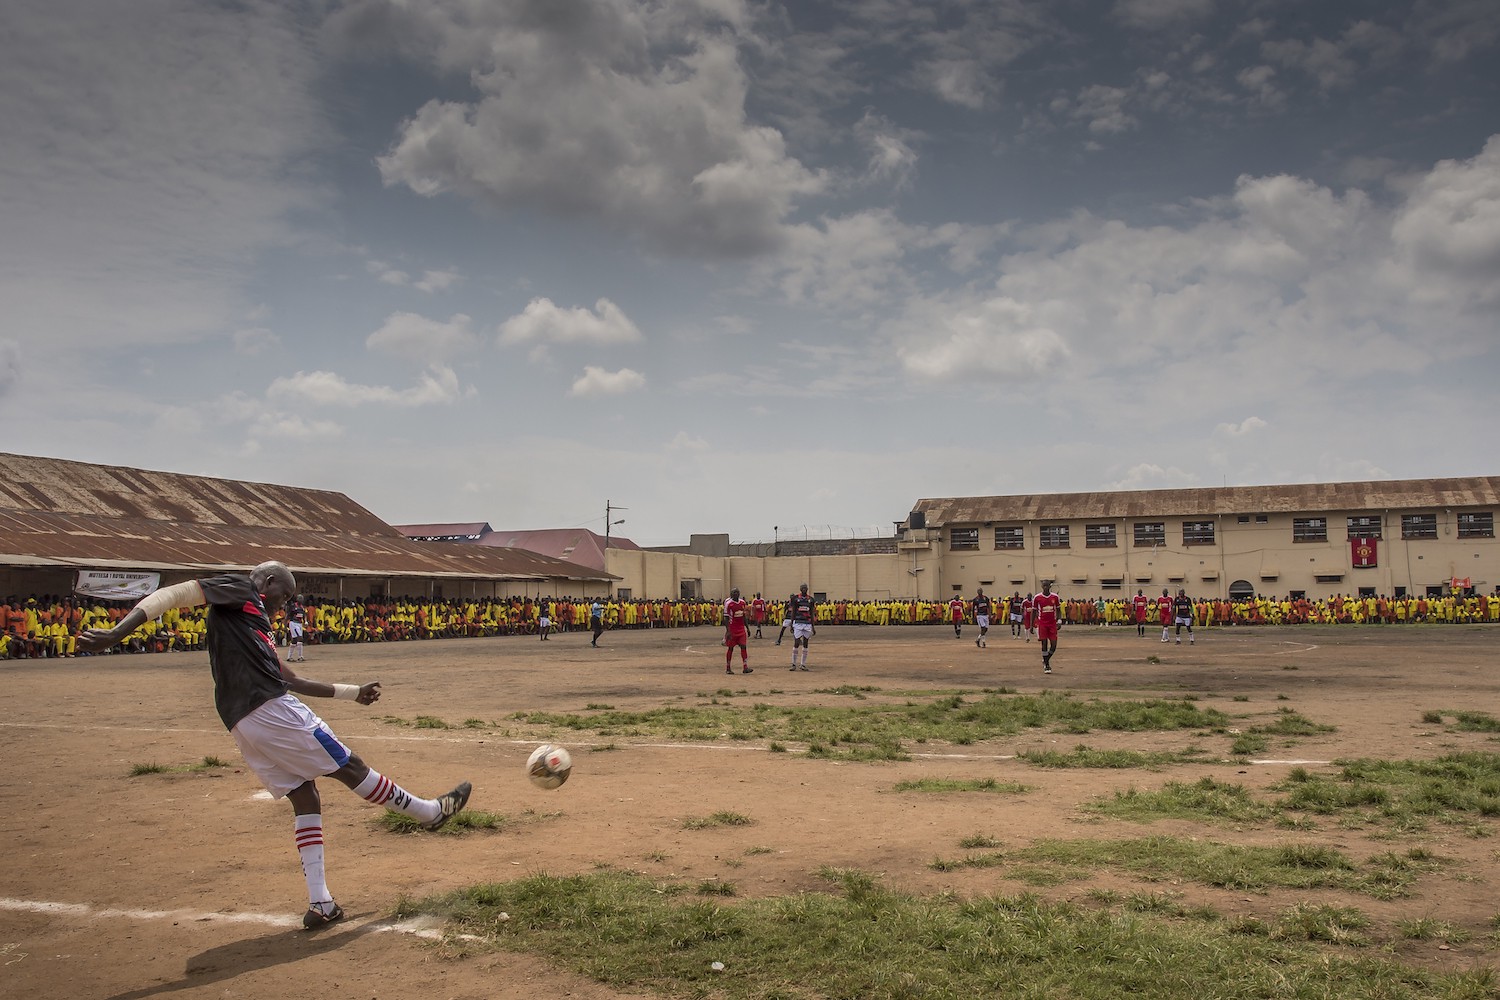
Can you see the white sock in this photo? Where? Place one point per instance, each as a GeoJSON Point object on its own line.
{"type": "Point", "coordinates": [379, 790]}
{"type": "Point", "coordinates": [310, 849]}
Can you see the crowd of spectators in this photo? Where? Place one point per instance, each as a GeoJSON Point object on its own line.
{"type": "Point", "coordinates": [46, 625]}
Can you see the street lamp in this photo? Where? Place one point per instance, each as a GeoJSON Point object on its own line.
{"type": "Point", "coordinates": [775, 537]}
{"type": "Point", "coordinates": [609, 510]}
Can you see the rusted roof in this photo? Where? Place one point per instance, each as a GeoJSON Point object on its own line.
{"type": "Point", "coordinates": [468, 530]}
{"type": "Point", "coordinates": [79, 514]}
{"type": "Point", "coordinates": [1355, 497]}
{"type": "Point", "coordinates": [578, 545]}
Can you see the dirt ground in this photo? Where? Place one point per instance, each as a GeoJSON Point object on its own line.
{"type": "Point", "coordinates": [187, 884]}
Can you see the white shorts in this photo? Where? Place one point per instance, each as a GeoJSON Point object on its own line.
{"type": "Point", "coordinates": [802, 630]}
{"type": "Point", "coordinates": [1183, 620]}
{"type": "Point", "coordinates": [285, 744]}
{"type": "Point", "coordinates": [295, 629]}
{"type": "Point", "coordinates": [1016, 619]}
{"type": "Point", "coordinates": [786, 623]}
{"type": "Point", "coordinates": [983, 621]}
{"type": "Point", "coordinates": [545, 622]}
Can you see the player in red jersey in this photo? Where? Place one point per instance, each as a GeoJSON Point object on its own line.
{"type": "Point", "coordinates": [956, 616]}
{"type": "Point", "coordinates": [736, 633]}
{"type": "Point", "coordinates": [1048, 610]}
{"type": "Point", "coordinates": [1028, 616]}
{"type": "Point", "coordinates": [1164, 613]}
{"type": "Point", "coordinates": [758, 614]}
{"type": "Point", "coordinates": [1142, 605]}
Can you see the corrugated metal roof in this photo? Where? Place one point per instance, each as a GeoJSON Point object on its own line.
{"type": "Point", "coordinates": [465, 530]}
{"type": "Point", "coordinates": [1396, 495]}
{"type": "Point", "coordinates": [79, 514]}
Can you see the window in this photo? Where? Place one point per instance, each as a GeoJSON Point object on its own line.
{"type": "Point", "coordinates": [1149, 533]}
{"type": "Point", "coordinates": [1328, 577]}
{"type": "Point", "coordinates": [963, 538]}
{"type": "Point", "coordinates": [1054, 536]}
{"type": "Point", "coordinates": [1099, 536]}
{"type": "Point", "coordinates": [1476, 525]}
{"type": "Point", "coordinates": [1262, 519]}
{"type": "Point", "coordinates": [1197, 532]}
{"type": "Point", "coordinates": [1010, 537]}
{"type": "Point", "coordinates": [1243, 519]}
{"type": "Point", "coordinates": [622, 593]}
{"type": "Point", "coordinates": [1309, 529]}
{"type": "Point", "coordinates": [1112, 583]}
{"type": "Point", "coordinates": [1364, 526]}
{"type": "Point", "coordinates": [1418, 526]}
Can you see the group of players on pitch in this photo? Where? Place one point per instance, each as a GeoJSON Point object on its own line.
{"type": "Point", "coordinates": [801, 617]}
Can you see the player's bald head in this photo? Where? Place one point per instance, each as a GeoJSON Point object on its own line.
{"type": "Point", "coordinates": [275, 583]}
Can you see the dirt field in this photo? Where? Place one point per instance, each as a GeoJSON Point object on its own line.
{"type": "Point", "coordinates": [187, 884]}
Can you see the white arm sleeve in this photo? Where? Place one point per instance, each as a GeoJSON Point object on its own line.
{"type": "Point", "coordinates": [182, 595]}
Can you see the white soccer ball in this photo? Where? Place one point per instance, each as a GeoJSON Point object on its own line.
{"type": "Point", "coordinates": [549, 766]}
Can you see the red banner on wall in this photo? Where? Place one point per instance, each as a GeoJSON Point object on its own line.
{"type": "Point", "coordinates": [1362, 552]}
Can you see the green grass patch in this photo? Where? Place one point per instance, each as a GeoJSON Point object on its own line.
{"type": "Point", "coordinates": [862, 940]}
{"type": "Point", "coordinates": [1227, 866]}
{"type": "Point", "coordinates": [470, 819]}
{"type": "Point", "coordinates": [1084, 755]}
{"type": "Point", "coordinates": [721, 818]}
{"type": "Point", "coordinates": [1454, 789]}
{"type": "Point", "coordinates": [1204, 799]}
{"type": "Point", "coordinates": [137, 770]}
{"type": "Point", "coordinates": [208, 763]}
{"type": "Point", "coordinates": [978, 840]}
{"type": "Point", "coordinates": [880, 731]}
{"type": "Point", "coordinates": [960, 785]}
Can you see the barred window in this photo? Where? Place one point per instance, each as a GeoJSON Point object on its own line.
{"type": "Point", "coordinates": [1197, 532]}
{"type": "Point", "coordinates": [963, 538]}
{"type": "Point", "coordinates": [1418, 526]}
{"type": "Point", "coordinates": [1309, 529]}
{"type": "Point", "coordinates": [1364, 526]}
{"type": "Point", "coordinates": [1010, 537]}
{"type": "Point", "coordinates": [1478, 525]}
{"type": "Point", "coordinates": [1054, 536]}
{"type": "Point", "coordinates": [1149, 533]}
{"type": "Point", "coordinates": [1099, 536]}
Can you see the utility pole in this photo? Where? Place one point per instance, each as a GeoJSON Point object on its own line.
{"type": "Point", "coordinates": [609, 510]}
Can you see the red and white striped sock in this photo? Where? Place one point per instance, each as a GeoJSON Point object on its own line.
{"type": "Point", "coordinates": [310, 849]}
{"type": "Point", "coordinates": [379, 790]}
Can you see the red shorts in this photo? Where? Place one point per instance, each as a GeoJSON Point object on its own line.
{"type": "Point", "coordinates": [733, 638]}
{"type": "Point", "coordinates": [1046, 630]}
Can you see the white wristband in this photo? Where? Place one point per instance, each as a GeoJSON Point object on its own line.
{"type": "Point", "coordinates": [346, 691]}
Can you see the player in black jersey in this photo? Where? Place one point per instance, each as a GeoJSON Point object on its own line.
{"type": "Point", "coordinates": [1182, 614]}
{"type": "Point", "coordinates": [283, 742]}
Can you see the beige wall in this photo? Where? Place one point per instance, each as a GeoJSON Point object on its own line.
{"type": "Point", "coordinates": [925, 567]}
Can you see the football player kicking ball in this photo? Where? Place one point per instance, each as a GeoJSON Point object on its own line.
{"type": "Point", "coordinates": [283, 742]}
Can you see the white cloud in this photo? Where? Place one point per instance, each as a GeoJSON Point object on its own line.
{"type": "Point", "coordinates": [438, 385]}
{"type": "Point", "coordinates": [1150, 476]}
{"type": "Point", "coordinates": [1447, 235]}
{"type": "Point", "coordinates": [631, 116]}
{"type": "Point", "coordinates": [996, 337]}
{"type": "Point", "coordinates": [683, 441]}
{"type": "Point", "coordinates": [597, 382]}
{"type": "Point", "coordinates": [891, 157]}
{"type": "Point", "coordinates": [408, 335]}
{"type": "Point", "coordinates": [253, 340]}
{"type": "Point", "coordinates": [1246, 426]}
{"type": "Point", "coordinates": [437, 281]}
{"type": "Point", "coordinates": [545, 322]}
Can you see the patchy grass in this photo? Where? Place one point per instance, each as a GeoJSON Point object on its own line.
{"type": "Point", "coordinates": [721, 818]}
{"type": "Point", "coordinates": [960, 785]}
{"type": "Point", "coordinates": [860, 939]}
{"type": "Point", "coordinates": [1084, 755]}
{"type": "Point", "coordinates": [1407, 794]}
{"type": "Point", "coordinates": [470, 819]}
{"type": "Point", "coordinates": [1202, 800]}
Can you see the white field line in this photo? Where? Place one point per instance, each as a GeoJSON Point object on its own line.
{"type": "Point", "coordinates": [427, 928]}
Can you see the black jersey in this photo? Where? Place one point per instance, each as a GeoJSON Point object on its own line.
{"type": "Point", "coordinates": [802, 608]}
{"type": "Point", "coordinates": [982, 605]}
{"type": "Point", "coordinates": [1182, 606]}
{"type": "Point", "coordinates": [241, 653]}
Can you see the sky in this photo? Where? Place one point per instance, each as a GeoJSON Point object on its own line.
{"type": "Point", "coordinates": [775, 270]}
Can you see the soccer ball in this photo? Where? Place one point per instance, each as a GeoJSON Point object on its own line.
{"type": "Point", "coordinates": [549, 766]}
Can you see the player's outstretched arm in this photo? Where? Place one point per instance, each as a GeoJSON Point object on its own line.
{"type": "Point", "coordinates": [365, 694]}
{"type": "Point", "coordinates": [153, 605]}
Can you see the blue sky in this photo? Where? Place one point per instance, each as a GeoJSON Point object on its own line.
{"type": "Point", "coordinates": [744, 267]}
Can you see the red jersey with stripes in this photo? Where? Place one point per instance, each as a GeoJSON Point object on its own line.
{"type": "Point", "coordinates": [1048, 608]}
{"type": "Point", "coordinates": [734, 615]}
{"type": "Point", "coordinates": [241, 653]}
